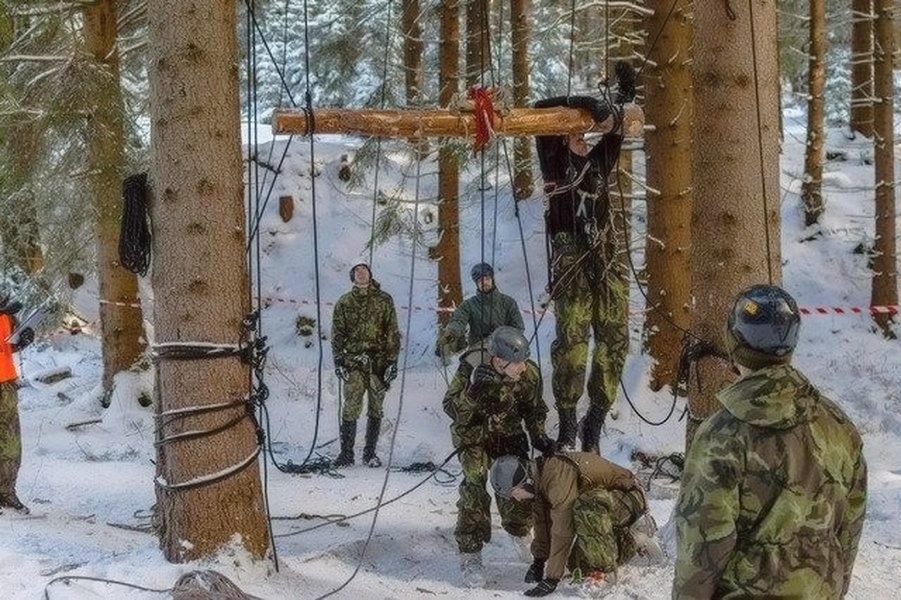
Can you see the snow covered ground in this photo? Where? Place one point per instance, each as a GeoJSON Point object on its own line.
{"type": "Point", "coordinates": [90, 485]}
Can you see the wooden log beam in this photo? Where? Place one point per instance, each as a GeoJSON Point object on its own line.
{"type": "Point", "coordinates": [413, 123]}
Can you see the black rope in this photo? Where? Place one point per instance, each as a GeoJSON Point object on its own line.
{"type": "Point", "coordinates": [134, 234]}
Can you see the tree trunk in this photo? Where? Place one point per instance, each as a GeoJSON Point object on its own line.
{"type": "Point", "coordinates": [735, 216]}
{"type": "Point", "coordinates": [812, 187]}
{"type": "Point", "coordinates": [478, 42]}
{"type": "Point", "coordinates": [120, 306]}
{"type": "Point", "coordinates": [200, 282]}
{"type": "Point", "coordinates": [862, 67]}
{"type": "Point", "coordinates": [413, 48]}
{"type": "Point", "coordinates": [411, 29]}
{"type": "Point", "coordinates": [450, 291]}
{"type": "Point", "coordinates": [885, 254]}
{"type": "Point", "coordinates": [669, 112]}
{"type": "Point", "coordinates": [522, 147]}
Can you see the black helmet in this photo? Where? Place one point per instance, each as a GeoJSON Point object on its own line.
{"type": "Point", "coordinates": [354, 268]}
{"type": "Point", "coordinates": [506, 473]}
{"type": "Point", "coordinates": [762, 327]}
{"type": "Point", "coordinates": [508, 343]}
{"type": "Point", "coordinates": [480, 270]}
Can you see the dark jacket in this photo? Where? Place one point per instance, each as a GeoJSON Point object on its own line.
{"type": "Point", "coordinates": [483, 313]}
{"type": "Point", "coordinates": [576, 186]}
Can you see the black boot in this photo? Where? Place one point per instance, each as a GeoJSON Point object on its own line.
{"type": "Point", "coordinates": [590, 429]}
{"type": "Point", "coordinates": [373, 426]}
{"type": "Point", "coordinates": [566, 434]}
{"type": "Point", "coordinates": [348, 437]}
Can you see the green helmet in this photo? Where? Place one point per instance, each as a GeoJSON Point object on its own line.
{"type": "Point", "coordinates": [508, 343]}
{"type": "Point", "coordinates": [506, 473]}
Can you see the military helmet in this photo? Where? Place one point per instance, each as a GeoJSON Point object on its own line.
{"type": "Point", "coordinates": [762, 327]}
{"type": "Point", "coordinates": [480, 270]}
{"type": "Point", "coordinates": [506, 473]}
{"type": "Point", "coordinates": [508, 343]}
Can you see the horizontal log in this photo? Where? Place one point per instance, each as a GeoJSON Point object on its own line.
{"type": "Point", "coordinates": [413, 123]}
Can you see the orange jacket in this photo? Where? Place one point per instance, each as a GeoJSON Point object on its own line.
{"type": "Point", "coordinates": [7, 367]}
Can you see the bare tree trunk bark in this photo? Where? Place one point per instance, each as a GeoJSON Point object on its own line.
{"type": "Point", "coordinates": [862, 67]}
{"type": "Point", "coordinates": [208, 482]}
{"type": "Point", "coordinates": [414, 73]}
{"type": "Point", "coordinates": [812, 187]}
{"type": "Point", "coordinates": [523, 184]}
{"type": "Point", "coordinates": [450, 290]}
{"type": "Point", "coordinates": [669, 112]}
{"type": "Point", "coordinates": [885, 252]}
{"type": "Point", "coordinates": [478, 41]}
{"type": "Point", "coordinates": [736, 173]}
{"type": "Point", "coordinates": [120, 305]}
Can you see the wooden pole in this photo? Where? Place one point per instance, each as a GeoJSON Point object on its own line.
{"type": "Point", "coordinates": [402, 123]}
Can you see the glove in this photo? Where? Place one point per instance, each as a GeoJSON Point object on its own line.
{"type": "Point", "coordinates": [625, 79]}
{"type": "Point", "coordinates": [535, 572]}
{"type": "Point", "coordinates": [544, 587]}
{"type": "Point", "coordinates": [342, 372]}
{"type": "Point", "coordinates": [485, 374]}
{"type": "Point", "coordinates": [390, 373]}
{"type": "Point", "coordinates": [10, 307]}
{"type": "Point", "coordinates": [26, 337]}
{"type": "Point", "coordinates": [544, 444]}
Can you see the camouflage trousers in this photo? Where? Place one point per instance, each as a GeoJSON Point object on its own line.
{"type": "Point", "coordinates": [601, 521]}
{"type": "Point", "coordinates": [591, 294]}
{"type": "Point", "coordinates": [474, 505]}
{"type": "Point", "coordinates": [10, 438]}
{"type": "Point", "coordinates": [359, 384]}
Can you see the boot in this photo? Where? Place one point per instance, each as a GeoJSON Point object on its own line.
{"type": "Point", "coordinates": [12, 501]}
{"type": "Point", "coordinates": [566, 434]}
{"type": "Point", "coordinates": [590, 429]}
{"type": "Point", "coordinates": [370, 459]}
{"type": "Point", "coordinates": [472, 571]}
{"type": "Point", "coordinates": [348, 433]}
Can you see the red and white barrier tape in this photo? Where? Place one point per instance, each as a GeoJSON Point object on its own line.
{"type": "Point", "coordinates": [813, 310]}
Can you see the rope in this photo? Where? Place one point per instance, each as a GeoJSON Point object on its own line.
{"type": "Point", "coordinates": [134, 233]}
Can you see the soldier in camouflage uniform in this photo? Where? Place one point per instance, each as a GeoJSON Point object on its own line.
{"type": "Point", "coordinates": [583, 508]}
{"type": "Point", "coordinates": [488, 419]}
{"type": "Point", "coordinates": [365, 345]}
{"type": "Point", "coordinates": [471, 324]}
{"type": "Point", "coordinates": [589, 272]}
{"type": "Point", "coordinates": [10, 433]}
{"type": "Point", "coordinates": [774, 490]}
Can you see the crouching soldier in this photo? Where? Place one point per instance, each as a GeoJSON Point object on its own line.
{"type": "Point", "coordinates": [490, 418]}
{"type": "Point", "coordinates": [583, 497]}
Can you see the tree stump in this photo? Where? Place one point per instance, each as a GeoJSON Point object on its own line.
{"type": "Point", "coordinates": [207, 585]}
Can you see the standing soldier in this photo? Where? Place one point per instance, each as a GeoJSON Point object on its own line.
{"type": "Point", "coordinates": [488, 418]}
{"type": "Point", "coordinates": [472, 323]}
{"type": "Point", "coordinates": [10, 432]}
{"type": "Point", "coordinates": [774, 491]}
{"type": "Point", "coordinates": [588, 259]}
{"type": "Point", "coordinates": [365, 345]}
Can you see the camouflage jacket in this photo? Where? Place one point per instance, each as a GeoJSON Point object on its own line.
{"type": "Point", "coordinates": [481, 314]}
{"type": "Point", "coordinates": [559, 481]}
{"type": "Point", "coordinates": [364, 324]}
{"type": "Point", "coordinates": [773, 495]}
{"type": "Point", "coordinates": [490, 411]}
